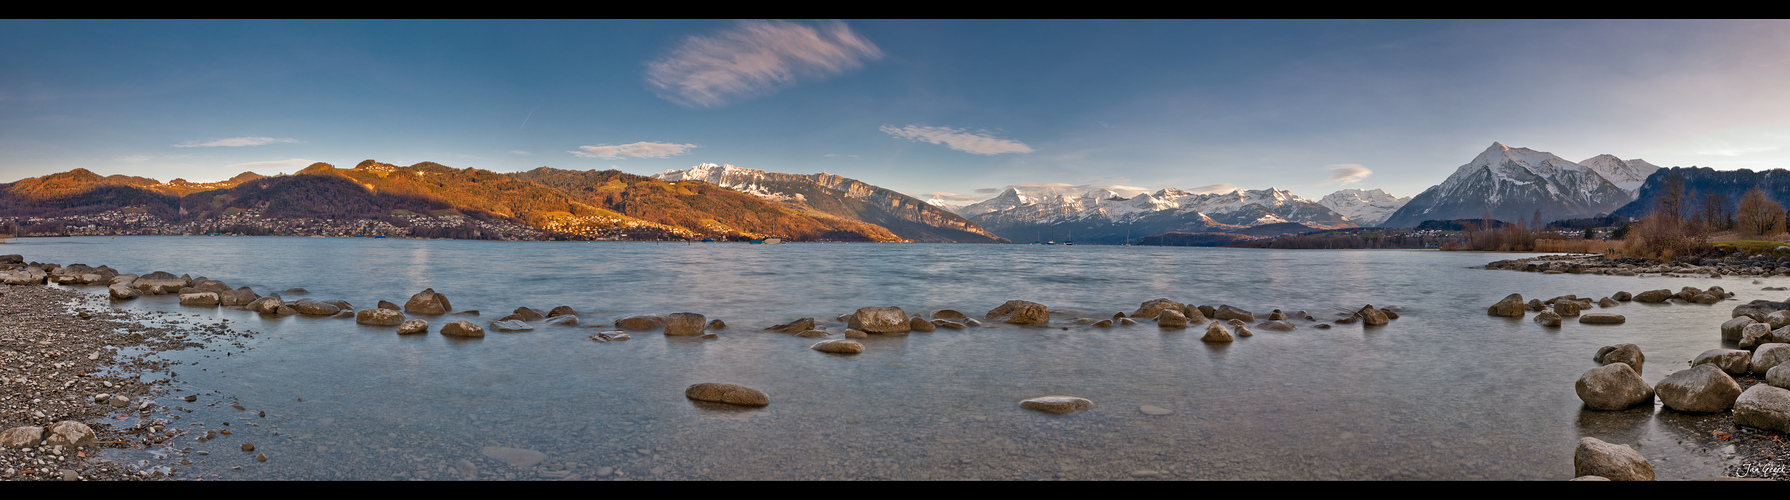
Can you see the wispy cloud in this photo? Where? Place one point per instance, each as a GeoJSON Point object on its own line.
{"type": "Point", "coordinates": [837, 155]}
{"type": "Point", "coordinates": [1213, 188]}
{"type": "Point", "coordinates": [754, 59]}
{"type": "Point", "coordinates": [519, 152]}
{"type": "Point", "coordinates": [1347, 173]}
{"type": "Point", "coordinates": [980, 142]}
{"type": "Point", "coordinates": [954, 197]}
{"type": "Point", "coordinates": [133, 158]}
{"type": "Point", "coordinates": [635, 150]}
{"type": "Point", "coordinates": [234, 142]}
{"type": "Point", "coordinates": [275, 165]}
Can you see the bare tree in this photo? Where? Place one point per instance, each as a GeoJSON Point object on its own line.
{"type": "Point", "coordinates": [1758, 216]}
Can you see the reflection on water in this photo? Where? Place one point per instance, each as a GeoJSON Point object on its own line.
{"type": "Point", "coordinates": [1445, 392]}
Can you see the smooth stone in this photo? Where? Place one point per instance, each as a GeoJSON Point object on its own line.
{"type": "Point", "coordinates": [920, 325]}
{"type": "Point", "coordinates": [529, 314]}
{"type": "Point", "coordinates": [1594, 457]}
{"type": "Point", "coordinates": [727, 393]}
{"type": "Point", "coordinates": [1127, 321]}
{"type": "Point", "coordinates": [1277, 326]}
{"type": "Point", "coordinates": [1154, 307]}
{"type": "Point", "coordinates": [1731, 361]}
{"type": "Point", "coordinates": [1548, 318]}
{"type": "Point", "coordinates": [1765, 407]}
{"type": "Point", "coordinates": [1057, 404]}
{"type": "Point", "coordinates": [1512, 306]}
{"type": "Point", "coordinates": [1701, 389]}
{"type": "Point", "coordinates": [816, 333]}
{"type": "Point", "coordinates": [510, 325]}
{"type": "Point", "coordinates": [855, 334]}
{"type": "Point", "coordinates": [1105, 323]}
{"type": "Point", "coordinates": [947, 314]}
{"type": "Point", "coordinates": [389, 305]}
{"type": "Point", "coordinates": [21, 437]}
{"type": "Point", "coordinates": [1732, 328]}
{"type": "Point", "coordinates": [1216, 332]}
{"type": "Point", "coordinates": [1628, 354]}
{"type": "Point", "coordinates": [837, 346]}
{"type": "Point", "coordinates": [641, 322]}
{"type": "Point", "coordinates": [1601, 319]}
{"type": "Point", "coordinates": [715, 324]}
{"type": "Point", "coordinates": [562, 320]}
{"type": "Point", "coordinates": [1171, 318]}
{"type": "Point", "coordinates": [1225, 312]}
{"type": "Point", "coordinates": [1154, 410]}
{"type": "Point", "coordinates": [878, 320]}
{"type": "Point", "coordinates": [1778, 376]}
{"type": "Point", "coordinates": [1753, 335]}
{"type": "Point", "coordinates": [948, 324]}
{"type": "Point", "coordinates": [1770, 355]}
{"type": "Point", "coordinates": [562, 311]}
{"type": "Point", "coordinates": [1614, 386]}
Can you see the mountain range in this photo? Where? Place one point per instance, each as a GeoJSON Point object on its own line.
{"type": "Point", "coordinates": [1511, 184]}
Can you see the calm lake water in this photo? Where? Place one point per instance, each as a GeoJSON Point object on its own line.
{"type": "Point", "coordinates": [1445, 392]}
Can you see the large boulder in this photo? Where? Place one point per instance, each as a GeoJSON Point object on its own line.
{"type": "Point", "coordinates": [1777, 319]}
{"type": "Point", "coordinates": [878, 320]}
{"type": "Point", "coordinates": [641, 322]}
{"type": "Point", "coordinates": [1224, 312]}
{"type": "Point", "coordinates": [1602, 319]}
{"type": "Point", "coordinates": [1653, 296]}
{"type": "Point", "coordinates": [727, 393]}
{"type": "Point", "coordinates": [797, 326]}
{"type": "Point", "coordinates": [1020, 312]}
{"type": "Point", "coordinates": [238, 297]}
{"type": "Point", "coordinates": [1154, 307]}
{"type": "Point", "coordinates": [1510, 307]}
{"type": "Point", "coordinates": [1778, 376]}
{"type": "Point", "coordinates": [1732, 361]}
{"type": "Point", "coordinates": [838, 346]}
{"type": "Point", "coordinates": [1216, 332]}
{"type": "Point", "coordinates": [685, 323]}
{"type": "Point", "coordinates": [1701, 389]}
{"type": "Point", "coordinates": [1628, 354]}
{"type": "Point", "coordinates": [1732, 328]}
{"type": "Point", "coordinates": [1613, 386]}
{"type": "Point", "coordinates": [159, 281]}
{"type": "Point", "coordinates": [379, 317]}
{"type": "Point", "coordinates": [22, 437]}
{"type": "Point", "coordinates": [1770, 355]}
{"type": "Point", "coordinates": [1057, 404]}
{"type": "Point", "coordinates": [462, 328]}
{"type": "Point", "coordinates": [1764, 407]}
{"type": "Point", "coordinates": [1616, 462]}
{"type": "Point", "coordinates": [428, 302]}
{"type": "Point", "coordinates": [72, 434]}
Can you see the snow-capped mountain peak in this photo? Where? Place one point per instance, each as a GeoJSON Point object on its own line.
{"type": "Point", "coordinates": [1628, 175]}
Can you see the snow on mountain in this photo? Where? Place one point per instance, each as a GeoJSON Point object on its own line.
{"type": "Point", "coordinates": [1240, 207]}
{"type": "Point", "coordinates": [1512, 184]}
{"type": "Point", "coordinates": [1628, 175]}
{"type": "Point", "coordinates": [1364, 207]}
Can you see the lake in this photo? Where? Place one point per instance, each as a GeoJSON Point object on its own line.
{"type": "Point", "coordinates": [1444, 392]}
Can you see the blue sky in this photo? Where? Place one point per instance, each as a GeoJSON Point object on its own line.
{"type": "Point", "coordinates": [950, 107]}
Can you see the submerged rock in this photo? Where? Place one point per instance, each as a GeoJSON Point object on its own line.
{"type": "Point", "coordinates": [797, 326]}
{"type": "Point", "coordinates": [838, 346]}
{"type": "Point", "coordinates": [413, 326]}
{"type": "Point", "coordinates": [562, 311]}
{"type": "Point", "coordinates": [1020, 312]}
{"type": "Point", "coordinates": [1225, 312]}
{"type": "Point", "coordinates": [1154, 307]}
{"type": "Point", "coordinates": [920, 325]}
{"type": "Point", "coordinates": [1373, 317]}
{"type": "Point", "coordinates": [1216, 332]}
{"type": "Point", "coordinates": [428, 302]}
{"type": "Point", "coordinates": [1278, 326]}
{"type": "Point", "coordinates": [641, 322]}
{"type": "Point", "coordinates": [947, 314]}
{"type": "Point", "coordinates": [1510, 307]}
{"type": "Point", "coordinates": [1171, 318]}
{"type": "Point", "coordinates": [727, 393]}
{"type": "Point", "coordinates": [510, 325]}
{"type": "Point", "coordinates": [462, 328]}
{"type": "Point", "coordinates": [1602, 319]}
{"type": "Point", "coordinates": [878, 320]}
{"type": "Point", "coordinates": [1653, 296]}
{"type": "Point", "coordinates": [563, 320]}
{"type": "Point", "coordinates": [1548, 318]}
{"type": "Point", "coordinates": [1057, 404]}
{"type": "Point", "coordinates": [379, 317]}
{"type": "Point", "coordinates": [685, 323]}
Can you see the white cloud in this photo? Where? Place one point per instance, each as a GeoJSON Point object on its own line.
{"type": "Point", "coordinates": [1213, 188]}
{"type": "Point", "coordinates": [980, 142]}
{"type": "Point", "coordinates": [953, 197]}
{"type": "Point", "coordinates": [754, 59]}
{"type": "Point", "coordinates": [519, 152]}
{"type": "Point", "coordinates": [1347, 173]}
{"type": "Point", "coordinates": [295, 164]}
{"type": "Point", "coordinates": [133, 158]}
{"type": "Point", "coordinates": [636, 150]}
{"type": "Point", "coordinates": [234, 142]}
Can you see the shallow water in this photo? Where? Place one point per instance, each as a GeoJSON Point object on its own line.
{"type": "Point", "coordinates": [1445, 392]}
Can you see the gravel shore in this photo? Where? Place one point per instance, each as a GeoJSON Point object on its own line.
{"type": "Point", "coordinates": [59, 350]}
